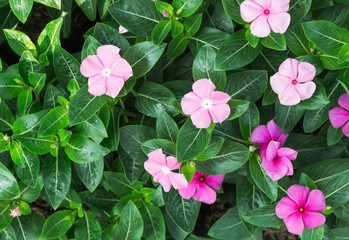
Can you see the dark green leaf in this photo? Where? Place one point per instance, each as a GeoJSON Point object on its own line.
{"type": "Point", "coordinates": [112, 141]}
{"type": "Point", "coordinates": [154, 224]}
{"type": "Point", "coordinates": [24, 228]}
{"type": "Point", "coordinates": [264, 217]}
{"type": "Point", "coordinates": [91, 173]}
{"type": "Point", "coordinates": [9, 188]}
{"type": "Point", "coordinates": [212, 149]}
{"type": "Point", "coordinates": [54, 121]}
{"type": "Point", "coordinates": [168, 148]}
{"type": "Point", "coordinates": [93, 128]}
{"type": "Point", "coordinates": [11, 85]}
{"type": "Point", "coordinates": [57, 224]}
{"type": "Point", "coordinates": [118, 183]}
{"type": "Point", "coordinates": [132, 168]}
{"type": "Point", "coordinates": [286, 117]}
{"type": "Point", "coordinates": [176, 47]}
{"type": "Point", "coordinates": [89, 7]}
{"type": "Point", "coordinates": [298, 9]}
{"type": "Point", "coordinates": [249, 121]}
{"type": "Point", "coordinates": [312, 234]}
{"type": "Point", "coordinates": [192, 24]}
{"type": "Point", "coordinates": [274, 41]}
{"type": "Point", "coordinates": [232, 8]}
{"type": "Point", "coordinates": [160, 31]}
{"type": "Point", "coordinates": [30, 172]}
{"type": "Point", "coordinates": [88, 227]}
{"type": "Point", "coordinates": [49, 37]}
{"type": "Point", "coordinates": [166, 127]}
{"type": "Point", "coordinates": [19, 42]}
{"type": "Point", "coordinates": [186, 8]}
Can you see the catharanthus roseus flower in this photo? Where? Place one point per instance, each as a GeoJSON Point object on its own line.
{"type": "Point", "coordinates": [15, 212]}
{"type": "Point", "coordinates": [106, 71]}
{"type": "Point", "coordinates": [293, 82]}
{"type": "Point", "coordinates": [122, 30]}
{"type": "Point", "coordinates": [301, 209]}
{"type": "Point", "coordinates": [200, 187]}
{"type": "Point", "coordinates": [264, 134]}
{"type": "Point", "coordinates": [338, 116]}
{"type": "Point", "coordinates": [205, 104]}
{"type": "Point", "coordinates": [266, 15]}
{"type": "Point", "coordinates": [277, 161]}
{"type": "Point", "coordinates": [165, 14]}
{"type": "Point", "coordinates": [160, 167]}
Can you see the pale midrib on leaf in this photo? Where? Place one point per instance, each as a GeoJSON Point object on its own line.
{"type": "Point", "coordinates": [57, 120]}
{"type": "Point", "coordinates": [141, 16]}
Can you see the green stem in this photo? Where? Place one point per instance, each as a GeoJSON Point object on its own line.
{"type": "Point", "coordinates": [134, 93]}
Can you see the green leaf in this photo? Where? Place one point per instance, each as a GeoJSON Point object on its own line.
{"type": "Point", "coordinates": [94, 174]}
{"type": "Point", "coordinates": [21, 8]}
{"type": "Point", "coordinates": [252, 39]}
{"type": "Point", "coordinates": [318, 100]}
{"type": "Point", "coordinates": [89, 7]}
{"type": "Point", "coordinates": [176, 47]}
{"type": "Point", "coordinates": [9, 188]}
{"type": "Point", "coordinates": [203, 67]}
{"type": "Point", "coordinates": [8, 20]}
{"type": "Point", "coordinates": [24, 208]}
{"type": "Point", "coordinates": [131, 223]}
{"type": "Point", "coordinates": [24, 228]}
{"type": "Point", "coordinates": [191, 141]}
{"type": "Point", "coordinates": [342, 212]}
{"type": "Point", "coordinates": [236, 52]}
{"type": "Point", "coordinates": [113, 132]}
{"type": "Point", "coordinates": [312, 234]}
{"type": "Point", "coordinates": [262, 180]}
{"type": "Point", "coordinates": [143, 56]}
{"type": "Point", "coordinates": [36, 144]}
{"type": "Point", "coordinates": [160, 31]}
{"type": "Point", "coordinates": [218, 18]}
{"type": "Point", "coordinates": [166, 127]}
{"type": "Point", "coordinates": [343, 54]}
{"type": "Point", "coordinates": [176, 27]}
{"type": "Point", "coordinates": [297, 41]}
{"type": "Point", "coordinates": [16, 153]}
{"type": "Point", "coordinates": [212, 149]}
{"type": "Point", "coordinates": [274, 41]}
{"type": "Point", "coordinates": [90, 47]}
{"type": "Point", "coordinates": [336, 190]}
{"type": "Point", "coordinates": [312, 60]}
{"type": "Point", "coordinates": [84, 150]}
{"type": "Point", "coordinates": [54, 121]}
{"type": "Point", "coordinates": [132, 168]}
{"type": "Point", "coordinates": [185, 8]}
{"type": "Point", "coordinates": [168, 148]}
{"type": "Point", "coordinates": [237, 108]}
{"type": "Point", "coordinates": [84, 105]}
{"type": "Point", "coordinates": [334, 135]}
{"type": "Point", "coordinates": [92, 128]}
{"type": "Point", "coordinates": [30, 172]}
{"type": "Point", "coordinates": [30, 194]}
{"type": "Point", "coordinates": [298, 9]}
{"type": "Point", "coordinates": [129, 13]}
{"type": "Point", "coordinates": [249, 121]}
{"type": "Point", "coordinates": [57, 224]}
{"type": "Point", "coordinates": [231, 157]}
{"type": "Point", "coordinates": [49, 37]}
{"type": "Point", "coordinates": [19, 42]}
{"type": "Point", "coordinates": [5, 217]}
{"type": "Point", "coordinates": [57, 177]}
{"type": "Point", "coordinates": [132, 137]}
{"type": "Point", "coordinates": [305, 180]}
{"type": "Point", "coordinates": [29, 64]}
{"type": "Point", "coordinates": [37, 80]}
{"type": "Point", "coordinates": [192, 24]}
{"type": "Point", "coordinates": [50, 98]}
{"type": "Point", "coordinates": [184, 212]}
{"type": "Point", "coordinates": [154, 224]}
{"type": "Point", "coordinates": [264, 217]}
{"type": "Point", "coordinates": [88, 227]}
{"type": "Point", "coordinates": [118, 183]}
{"type": "Point", "coordinates": [51, 3]}
{"type": "Point", "coordinates": [232, 8]}
{"type": "Point", "coordinates": [154, 98]}
{"type": "Point", "coordinates": [6, 117]}
{"type": "Point", "coordinates": [286, 117]}
{"type": "Point", "coordinates": [9, 86]}
{"type": "Point", "coordinates": [8, 234]}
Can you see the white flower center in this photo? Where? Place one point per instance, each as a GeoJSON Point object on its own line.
{"type": "Point", "coordinates": [166, 170]}
{"type": "Point", "coordinates": [206, 104]}
{"type": "Point", "coordinates": [106, 72]}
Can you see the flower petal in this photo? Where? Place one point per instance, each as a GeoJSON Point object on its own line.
{"type": "Point", "coordinates": [260, 27]}
{"type": "Point", "coordinates": [290, 96]}
{"type": "Point", "coordinates": [250, 10]}
{"type": "Point", "coordinates": [345, 129]}
{"type": "Point", "coordinates": [218, 97]}
{"type": "Point", "coordinates": [299, 194]}
{"type": "Point", "coordinates": [219, 112]}
{"type": "Point", "coordinates": [189, 191]}
{"type": "Point", "coordinates": [279, 83]}
{"type": "Point", "coordinates": [178, 180]}
{"type": "Point", "coordinates": [294, 223]}
{"type": "Point", "coordinates": [164, 180]}
{"type": "Point", "coordinates": [157, 156]}
{"type": "Point", "coordinates": [338, 117]}
{"type": "Point", "coordinates": [91, 66]}
{"type": "Point", "coordinates": [289, 68]}
{"type": "Point", "coordinates": [275, 169]}
{"type": "Point", "coordinates": [312, 220]}
{"type": "Point", "coordinates": [205, 194]}
{"type": "Point", "coordinates": [172, 163]}
{"type": "Point", "coordinates": [316, 202]}
{"type": "Point", "coordinates": [282, 139]}
{"type": "Point", "coordinates": [121, 68]}
{"type": "Point", "coordinates": [108, 54]}
{"type": "Point", "coordinates": [279, 22]}
{"type": "Point", "coordinates": [215, 181]}
{"type": "Point", "coordinates": [343, 101]}
{"type": "Point", "coordinates": [201, 118]}
{"type": "Point", "coordinates": [286, 162]}
{"type": "Point", "coordinates": [122, 30]}
{"type": "Point", "coordinates": [190, 103]}
{"type": "Point", "coordinates": [305, 90]}
{"type": "Point", "coordinates": [274, 130]}
{"type": "Point", "coordinates": [203, 88]}
{"type": "Point", "coordinates": [272, 150]}
{"type": "Point", "coordinates": [285, 207]}
{"type": "Point", "coordinates": [260, 135]}
{"type": "Point", "coordinates": [264, 3]}
{"type": "Point", "coordinates": [306, 72]}
{"type": "Point", "coordinates": [287, 152]}
{"type": "Point", "coordinates": [277, 6]}
{"type": "Point", "coordinates": [114, 85]}
{"type": "Point", "coordinates": [97, 85]}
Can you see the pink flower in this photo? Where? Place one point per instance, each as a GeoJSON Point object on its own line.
{"type": "Point", "coordinates": [122, 30]}
{"type": "Point", "coordinates": [277, 161]}
{"type": "Point", "coordinates": [264, 134]}
{"type": "Point", "coordinates": [15, 212]}
{"type": "Point", "coordinates": [301, 209]}
{"type": "Point", "coordinates": [266, 15]}
{"type": "Point", "coordinates": [199, 187]}
{"type": "Point", "coordinates": [165, 14]}
{"type": "Point", "coordinates": [339, 116]}
{"type": "Point", "coordinates": [106, 71]}
{"type": "Point", "coordinates": [160, 166]}
{"type": "Point", "coordinates": [205, 105]}
{"type": "Point", "coordinates": [293, 81]}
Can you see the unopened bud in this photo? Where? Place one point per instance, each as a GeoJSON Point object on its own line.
{"type": "Point", "coordinates": [179, 11]}
{"type": "Point", "coordinates": [165, 14]}
{"type": "Point", "coordinates": [252, 148]}
{"type": "Point", "coordinates": [53, 145]}
{"type": "Point", "coordinates": [192, 164]}
{"type": "Point", "coordinates": [6, 138]}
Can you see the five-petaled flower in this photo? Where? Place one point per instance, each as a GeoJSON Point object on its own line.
{"type": "Point", "coordinates": [293, 82]}
{"type": "Point", "coordinates": [122, 30]}
{"type": "Point", "coordinates": [205, 105]}
{"type": "Point", "coordinates": [277, 161]}
{"type": "Point", "coordinates": [199, 187]}
{"type": "Point", "coordinates": [15, 212]}
{"type": "Point", "coordinates": [107, 71]}
{"type": "Point", "coordinates": [301, 209]}
{"type": "Point", "coordinates": [266, 15]}
{"type": "Point", "coordinates": [338, 116]}
{"type": "Point", "coordinates": [160, 167]}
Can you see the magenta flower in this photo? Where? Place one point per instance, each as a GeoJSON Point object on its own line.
{"type": "Point", "coordinates": [122, 30]}
{"type": "Point", "coordinates": [205, 104]}
{"type": "Point", "coordinates": [264, 134]}
{"type": "Point", "coordinates": [277, 161]}
{"type": "Point", "coordinates": [15, 212]}
{"type": "Point", "coordinates": [293, 82]}
{"type": "Point", "coordinates": [266, 15]}
{"type": "Point", "coordinates": [160, 166]}
{"type": "Point", "coordinates": [199, 187]}
{"type": "Point", "coordinates": [338, 116]}
{"type": "Point", "coordinates": [106, 71]}
{"type": "Point", "coordinates": [301, 209]}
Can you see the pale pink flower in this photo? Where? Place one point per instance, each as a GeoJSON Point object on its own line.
{"type": "Point", "coordinates": [293, 82]}
{"type": "Point", "coordinates": [264, 134]}
{"type": "Point", "coordinates": [301, 209]}
{"type": "Point", "coordinates": [200, 187]}
{"type": "Point", "coordinates": [266, 15]}
{"type": "Point", "coordinates": [277, 162]}
{"type": "Point", "coordinates": [122, 30]}
{"type": "Point", "coordinates": [106, 71]}
{"type": "Point", "coordinates": [205, 104]}
{"type": "Point", "coordinates": [160, 166]}
{"type": "Point", "coordinates": [15, 212]}
{"type": "Point", "coordinates": [165, 14]}
{"type": "Point", "coordinates": [338, 116]}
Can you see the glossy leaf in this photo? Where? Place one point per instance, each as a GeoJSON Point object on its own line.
{"type": "Point", "coordinates": [91, 173]}
{"type": "Point", "coordinates": [57, 224]}
{"type": "Point", "coordinates": [9, 189]}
